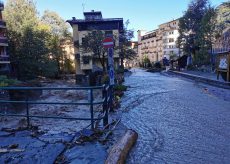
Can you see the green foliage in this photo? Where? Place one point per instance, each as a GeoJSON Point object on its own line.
{"type": "Point", "coordinates": [20, 14]}
{"type": "Point", "coordinates": [93, 43]}
{"type": "Point", "coordinates": [120, 87]}
{"type": "Point", "coordinates": [157, 65]}
{"type": "Point", "coordinates": [120, 70]}
{"type": "Point", "coordinates": [125, 49]}
{"type": "Point", "coordinates": [105, 79]}
{"type": "Point", "coordinates": [4, 81]}
{"type": "Point", "coordinates": [68, 66]}
{"type": "Point", "coordinates": [58, 26]}
{"type": "Point", "coordinates": [197, 30]}
{"type": "Point", "coordinates": [34, 44]}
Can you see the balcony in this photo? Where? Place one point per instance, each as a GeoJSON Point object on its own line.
{"type": "Point", "coordinates": [1, 6]}
{"type": "Point", "coordinates": [4, 59]}
{"type": "Point", "coordinates": [2, 24]}
{"type": "Point", "coordinates": [3, 41]}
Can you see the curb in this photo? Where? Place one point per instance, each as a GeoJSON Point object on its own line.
{"type": "Point", "coordinates": [225, 85]}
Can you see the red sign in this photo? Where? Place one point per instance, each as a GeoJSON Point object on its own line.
{"type": "Point", "coordinates": [108, 42]}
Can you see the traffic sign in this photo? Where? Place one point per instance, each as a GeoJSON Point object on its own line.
{"type": "Point", "coordinates": [111, 76]}
{"type": "Point", "coordinates": [108, 43]}
{"type": "Point", "coordinates": [110, 56]}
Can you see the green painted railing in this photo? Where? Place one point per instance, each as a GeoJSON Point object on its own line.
{"type": "Point", "coordinates": [105, 102]}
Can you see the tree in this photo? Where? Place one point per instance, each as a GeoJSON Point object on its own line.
{"type": "Point", "coordinates": [206, 36]}
{"type": "Point", "coordinates": [92, 43]}
{"type": "Point", "coordinates": [222, 18]}
{"type": "Point", "coordinates": [60, 33]}
{"type": "Point", "coordinates": [28, 40]}
{"type": "Point", "coordinates": [56, 52]}
{"type": "Point", "coordinates": [58, 26]}
{"type": "Point", "coordinates": [33, 59]}
{"type": "Point", "coordinates": [126, 52]}
{"type": "Point", "coordinates": [193, 29]}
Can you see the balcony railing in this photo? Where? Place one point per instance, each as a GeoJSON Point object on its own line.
{"type": "Point", "coordinates": [4, 59]}
{"type": "Point", "coordinates": [3, 41]}
{"type": "Point", "coordinates": [1, 5]}
{"type": "Point", "coordinates": [2, 23]}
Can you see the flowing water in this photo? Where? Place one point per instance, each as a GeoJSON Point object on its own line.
{"type": "Point", "coordinates": [177, 120]}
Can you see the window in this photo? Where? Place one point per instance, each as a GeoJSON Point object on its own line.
{"type": "Point", "coordinates": [171, 40]}
{"type": "Point", "coordinates": [108, 33]}
{"type": "Point", "coordinates": [83, 40]}
{"type": "Point", "coordinates": [85, 59]}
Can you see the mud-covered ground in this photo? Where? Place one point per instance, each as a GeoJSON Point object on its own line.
{"type": "Point", "coordinates": [178, 120]}
{"type": "Point", "coordinates": [47, 138]}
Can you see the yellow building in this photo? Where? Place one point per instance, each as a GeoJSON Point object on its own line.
{"type": "Point", "coordinates": [93, 21]}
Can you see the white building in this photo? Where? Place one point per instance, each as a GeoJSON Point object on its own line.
{"type": "Point", "coordinates": [170, 34]}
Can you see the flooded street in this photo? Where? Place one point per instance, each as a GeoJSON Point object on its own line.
{"type": "Point", "coordinates": [178, 121]}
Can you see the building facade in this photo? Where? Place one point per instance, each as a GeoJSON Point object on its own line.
{"type": "Point", "coordinates": [170, 33]}
{"type": "Point", "coordinates": [159, 43]}
{"type": "Point", "coordinates": [4, 57]}
{"type": "Point", "coordinates": [148, 45]}
{"type": "Point", "coordinates": [93, 21]}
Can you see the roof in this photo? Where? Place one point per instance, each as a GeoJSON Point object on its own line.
{"type": "Point", "coordinates": [77, 21]}
{"type": "Point", "coordinates": [92, 12]}
{"type": "Point", "coordinates": [170, 21]}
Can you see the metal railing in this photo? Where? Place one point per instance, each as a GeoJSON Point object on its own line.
{"type": "Point", "coordinates": [106, 102]}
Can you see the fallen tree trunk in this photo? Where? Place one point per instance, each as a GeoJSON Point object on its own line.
{"type": "Point", "coordinates": [120, 150]}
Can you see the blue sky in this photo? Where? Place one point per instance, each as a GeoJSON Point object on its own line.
{"type": "Point", "coordinates": [143, 14]}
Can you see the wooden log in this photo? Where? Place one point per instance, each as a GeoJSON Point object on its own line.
{"type": "Point", "coordinates": [120, 150]}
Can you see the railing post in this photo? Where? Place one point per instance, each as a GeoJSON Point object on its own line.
{"type": "Point", "coordinates": [91, 108]}
{"type": "Point", "coordinates": [105, 106]}
{"type": "Point", "coordinates": [27, 111]}
{"type": "Point", "coordinates": [111, 97]}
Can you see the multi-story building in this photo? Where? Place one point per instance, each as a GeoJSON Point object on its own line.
{"type": "Point", "coordinates": [147, 45]}
{"type": "Point", "coordinates": [169, 33]}
{"type": "Point", "coordinates": [159, 43]}
{"type": "Point", "coordinates": [4, 57]}
{"type": "Point", "coordinates": [93, 21]}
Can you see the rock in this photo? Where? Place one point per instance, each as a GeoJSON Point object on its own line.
{"type": "Point", "coordinates": [13, 146]}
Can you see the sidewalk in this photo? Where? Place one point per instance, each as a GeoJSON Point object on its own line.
{"type": "Point", "coordinates": [208, 75]}
{"type": "Point", "coordinates": [204, 77]}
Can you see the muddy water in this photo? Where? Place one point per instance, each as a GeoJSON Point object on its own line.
{"type": "Point", "coordinates": [176, 121]}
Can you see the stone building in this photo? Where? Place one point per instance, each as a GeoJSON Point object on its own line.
{"type": "Point", "coordinates": [148, 45]}
{"type": "Point", "coordinates": [159, 43]}
{"type": "Point", "coordinates": [4, 57]}
{"type": "Point", "coordinates": [93, 21]}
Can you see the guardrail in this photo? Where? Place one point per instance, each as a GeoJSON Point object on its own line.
{"type": "Point", "coordinates": [106, 101]}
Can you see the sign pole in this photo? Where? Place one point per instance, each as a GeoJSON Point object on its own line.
{"type": "Point", "coordinates": [108, 43]}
